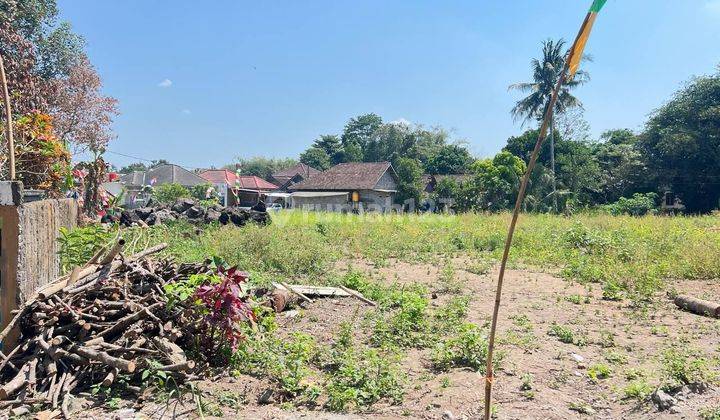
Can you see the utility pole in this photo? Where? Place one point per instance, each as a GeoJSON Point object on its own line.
{"type": "Point", "coordinates": [8, 120]}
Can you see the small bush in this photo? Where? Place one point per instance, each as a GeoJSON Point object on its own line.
{"type": "Point", "coordinates": [360, 379]}
{"type": "Point", "coordinates": [78, 245]}
{"type": "Point", "coordinates": [638, 389]}
{"type": "Point", "coordinates": [710, 413]}
{"type": "Point", "coordinates": [686, 366]}
{"type": "Point", "coordinates": [638, 205]}
{"type": "Point", "coordinates": [467, 349]}
{"type": "Point", "coordinates": [169, 193]}
{"type": "Point", "coordinates": [564, 334]}
{"type": "Point", "coordinates": [598, 371]}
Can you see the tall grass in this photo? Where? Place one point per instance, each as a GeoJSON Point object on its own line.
{"type": "Point", "coordinates": [635, 254]}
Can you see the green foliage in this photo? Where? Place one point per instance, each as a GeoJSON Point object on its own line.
{"type": "Point", "coordinates": [169, 193]}
{"type": "Point", "coordinates": [681, 141]}
{"type": "Point", "coordinates": [262, 167]}
{"type": "Point", "coordinates": [598, 371]}
{"type": "Point", "coordinates": [360, 378]}
{"type": "Point", "coordinates": [410, 183]}
{"type": "Point", "coordinates": [316, 158]}
{"type": "Point", "coordinates": [467, 349]}
{"type": "Point", "coordinates": [179, 291]}
{"type": "Point", "coordinates": [638, 205]}
{"type": "Point", "coordinates": [405, 322]}
{"type": "Point", "coordinates": [565, 334]}
{"type": "Point", "coordinates": [199, 192]}
{"type": "Point", "coordinates": [286, 361]}
{"type": "Point", "coordinates": [687, 366]}
{"type": "Point", "coordinates": [710, 413]}
{"type": "Point", "coordinates": [638, 389]}
{"type": "Point", "coordinates": [450, 159]}
{"type": "Point", "coordinates": [78, 245]}
{"type": "Point", "coordinates": [494, 184]}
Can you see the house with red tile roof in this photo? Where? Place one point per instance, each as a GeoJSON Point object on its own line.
{"type": "Point", "coordinates": [240, 190]}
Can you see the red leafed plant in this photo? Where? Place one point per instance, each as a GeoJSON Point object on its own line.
{"type": "Point", "coordinates": [226, 309]}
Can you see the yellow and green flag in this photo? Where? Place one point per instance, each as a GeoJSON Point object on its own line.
{"type": "Point", "coordinates": [578, 47]}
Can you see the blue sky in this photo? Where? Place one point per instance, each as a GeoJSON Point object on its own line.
{"type": "Point", "coordinates": [200, 83]}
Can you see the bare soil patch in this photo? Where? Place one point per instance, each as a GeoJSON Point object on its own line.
{"type": "Point", "coordinates": [627, 340]}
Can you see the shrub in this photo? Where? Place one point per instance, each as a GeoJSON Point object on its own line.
{"type": "Point", "coordinates": [78, 245]}
{"type": "Point", "coordinates": [687, 366]}
{"type": "Point", "coordinates": [598, 371]}
{"type": "Point", "coordinates": [360, 379]}
{"type": "Point", "coordinates": [169, 193]}
{"type": "Point", "coordinates": [564, 334]}
{"type": "Point", "coordinates": [225, 308]}
{"type": "Point", "coordinates": [638, 389]}
{"type": "Point", "coordinates": [467, 349]}
{"type": "Point", "coordinates": [638, 205]}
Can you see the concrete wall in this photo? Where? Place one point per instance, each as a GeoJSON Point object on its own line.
{"type": "Point", "coordinates": [29, 248]}
{"type": "Point", "coordinates": [376, 200]}
{"type": "Point", "coordinates": [38, 258]}
{"type": "Point", "coordinates": [328, 203]}
{"type": "Point", "coordinates": [386, 182]}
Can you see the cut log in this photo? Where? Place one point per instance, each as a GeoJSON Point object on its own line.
{"type": "Point", "coordinates": [101, 356]}
{"type": "Point", "coordinates": [114, 251]}
{"type": "Point", "coordinates": [17, 382]}
{"type": "Point", "coordinates": [173, 352]}
{"type": "Point", "coordinates": [698, 306]}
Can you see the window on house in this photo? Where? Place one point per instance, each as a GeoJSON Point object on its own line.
{"type": "Point", "coordinates": [669, 199]}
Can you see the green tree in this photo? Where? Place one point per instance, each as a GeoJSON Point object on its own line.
{"type": "Point", "coordinates": [623, 170]}
{"type": "Point", "coordinates": [316, 158]}
{"type": "Point", "coordinates": [168, 193]}
{"type": "Point", "coordinates": [261, 167]}
{"type": "Point", "coordinates": [133, 167]}
{"type": "Point", "coordinates": [546, 72]}
{"type": "Point", "coordinates": [330, 143]}
{"type": "Point", "coordinates": [494, 185]}
{"type": "Point", "coordinates": [361, 129]}
{"type": "Point", "coordinates": [445, 189]}
{"type": "Point", "coordinates": [681, 143]}
{"type": "Point", "coordinates": [410, 184]}
{"type": "Point", "coordinates": [158, 162]}
{"type": "Point", "coordinates": [450, 159]}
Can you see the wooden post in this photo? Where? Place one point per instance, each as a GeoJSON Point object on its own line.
{"type": "Point", "coordinates": [580, 41]}
{"type": "Point", "coordinates": [8, 120]}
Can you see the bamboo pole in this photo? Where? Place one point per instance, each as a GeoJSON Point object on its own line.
{"type": "Point", "coordinates": [516, 212]}
{"type": "Point", "coordinates": [8, 120]}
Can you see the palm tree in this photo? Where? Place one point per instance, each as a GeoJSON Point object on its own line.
{"type": "Point", "coordinates": [546, 72]}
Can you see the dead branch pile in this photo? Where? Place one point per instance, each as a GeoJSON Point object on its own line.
{"type": "Point", "coordinates": [102, 321]}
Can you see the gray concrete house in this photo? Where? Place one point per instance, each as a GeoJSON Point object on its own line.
{"type": "Point", "coordinates": [348, 187]}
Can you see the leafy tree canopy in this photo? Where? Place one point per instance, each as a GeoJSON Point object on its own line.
{"type": "Point", "coordinates": [261, 167]}
{"type": "Point", "coordinates": [681, 143]}
{"type": "Point", "coordinates": [450, 159]}
{"type": "Point", "coordinates": [317, 158]}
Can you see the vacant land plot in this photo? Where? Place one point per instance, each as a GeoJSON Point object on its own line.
{"type": "Point", "coordinates": [587, 326]}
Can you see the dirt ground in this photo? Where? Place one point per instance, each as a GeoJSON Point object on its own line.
{"type": "Point", "coordinates": [559, 380]}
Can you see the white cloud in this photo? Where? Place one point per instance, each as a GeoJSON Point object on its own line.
{"type": "Point", "coordinates": [401, 121]}
{"type": "Point", "coordinates": [713, 6]}
{"type": "Point", "coordinates": [186, 111]}
{"type": "Point", "coordinates": [165, 83]}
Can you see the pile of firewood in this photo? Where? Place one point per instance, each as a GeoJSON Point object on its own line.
{"type": "Point", "coordinates": [106, 320]}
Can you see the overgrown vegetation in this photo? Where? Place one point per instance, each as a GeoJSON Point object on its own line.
{"type": "Point", "coordinates": [631, 258]}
